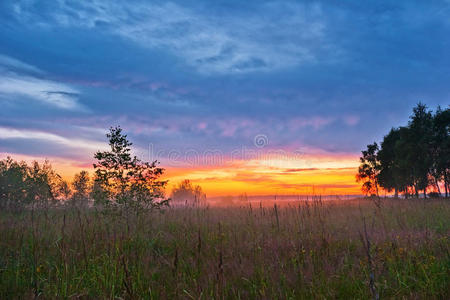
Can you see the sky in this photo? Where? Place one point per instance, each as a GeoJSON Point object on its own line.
{"type": "Point", "coordinates": [262, 97]}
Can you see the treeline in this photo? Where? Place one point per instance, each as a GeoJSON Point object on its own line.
{"type": "Point", "coordinates": [120, 181]}
{"type": "Point", "coordinates": [188, 194]}
{"type": "Point", "coordinates": [38, 185]}
{"type": "Point", "coordinates": [35, 184]}
{"type": "Point", "coordinates": [411, 159]}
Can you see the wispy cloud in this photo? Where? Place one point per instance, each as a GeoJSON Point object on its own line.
{"type": "Point", "coordinates": [72, 143]}
{"type": "Point", "coordinates": [19, 79]}
{"type": "Point", "coordinates": [274, 37]}
{"type": "Point", "coordinates": [49, 92]}
{"type": "Point", "coordinates": [7, 62]}
{"type": "Point", "coordinates": [315, 122]}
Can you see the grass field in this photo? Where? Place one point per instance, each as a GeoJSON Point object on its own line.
{"type": "Point", "coordinates": [347, 249]}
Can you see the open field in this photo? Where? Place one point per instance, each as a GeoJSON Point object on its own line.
{"type": "Point", "coordinates": [309, 250]}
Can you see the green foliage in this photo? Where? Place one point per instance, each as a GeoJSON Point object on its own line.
{"type": "Point", "coordinates": [42, 184]}
{"type": "Point", "coordinates": [64, 190]}
{"type": "Point", "coordinates": [125, 181]}
{"type": "Point", "coordinates": [81, 189]}
{"type": "Point", "coordinates": [22, 185]}
{"type": "Point", "coordinates": [411, 158]}
{"type": "Point", "coordinates": [13, 183]}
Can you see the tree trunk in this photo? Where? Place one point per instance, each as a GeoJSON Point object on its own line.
{"type": "Point", "coordinates": [416, 190]}
{"type": "Point", "coordinates": [396, 193]}
{"type": "Point", "coordinates": [446, 184]}
{"type": "Point", "coordinates": [437, 186]}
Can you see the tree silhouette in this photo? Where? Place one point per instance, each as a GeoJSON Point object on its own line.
{"type": "Point", "coordinates": [440, 149]}
{"type": "Point", "coordinates": [22, 185]}
{"type": "Point", "coordinates": [13, 183]}
{"type": "Point", "coordinates": [390, 171]}
{"type": "Point", "coordinates": [81, 189]}
{"type": "Point", "coordinates": [188, 194]}
{"type": "Point", "coordinates": [125, 181]}
{"type": "Point", "coordinates": [369, 169]}
{"type": "Point", "coordinates": [42, 184]}
{"type": "Point", "coordinates": [411, 158]}
{"type": "Point", "coordinates": [419, 158]}
{"type": "Point", "coordinates": [64, 190]}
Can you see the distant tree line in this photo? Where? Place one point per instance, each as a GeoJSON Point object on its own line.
{"type": "Point", "coordinates": [121, 181]}
{"type": "Point", "coordinates": [188, 194]}
{"type": "Point", "coordinates": [411, 159]}
{"type": "Point", "coordinates": [22, 184]}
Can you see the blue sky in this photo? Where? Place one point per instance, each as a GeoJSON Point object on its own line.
{"type": "Point", "coordinates": [328, 76]}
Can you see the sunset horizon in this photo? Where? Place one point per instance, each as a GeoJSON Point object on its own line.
{"type": "Point", "coordinates": [255, 170]}
{"type": "Point", "coordinates": [314, 82]}
{"type": "Point", "coordinates": [192, 149]}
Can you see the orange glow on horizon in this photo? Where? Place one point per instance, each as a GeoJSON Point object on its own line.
{"type": "Point", "coordinates": [324, 176]}
{"type": "Point", "coordinates": [319, 174]}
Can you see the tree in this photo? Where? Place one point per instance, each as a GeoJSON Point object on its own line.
{"type": "Point", "coordinates": [243, 198]}
{"type": "Point", "coordinates": [389, 169]}
{"type": "Point", "coordinates": [42, 184]}
{"type": "Point", "coordinates": [99, 193]}
{"type": "Point", "coordinates": [394, 161]}
{"type": "Point", "coordinates": [188, 194]}
{"type": "Point", "coordinates": [64, 190]}
{"type": "Point", "coordinates": [13, 184]}
{"type": "Point", "coordinates": [440, 149]}
{"type": "Point", "coordinates": [81, 189]}
{"type": "Point", "coordinates": [403, 149]}
{"type": "Point", "coordinates": [125, 181]}
{"type": "Point", "coordinates": [419, 155]}
{"type": "Point", "coordinates": [369, 169]}
{"type": "Point", "coordinates": [22, 185]}
{"type": "Point", "coordinates": [412, 158]}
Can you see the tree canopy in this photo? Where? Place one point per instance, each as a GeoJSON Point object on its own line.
{"type": "Point", "coordinates": [411, 158]}
{"type": "Point", "coordinates": [22, 184]}
{"type": "Point", "coordinates": [122, 180]}
{"type": "Point", "coordinates": [186, 193]}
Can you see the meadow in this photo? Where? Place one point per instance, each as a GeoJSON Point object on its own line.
{"type": "Point", "coordinates": [352, 249]}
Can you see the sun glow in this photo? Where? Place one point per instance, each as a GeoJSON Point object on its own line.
{"type": "Point", "coordinates": [324, 174]}
{"type": "Point", "coordinates": [321, 174]}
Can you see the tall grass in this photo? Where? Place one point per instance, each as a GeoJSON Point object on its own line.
{"type": "Point", "coordinates": [314, 249]}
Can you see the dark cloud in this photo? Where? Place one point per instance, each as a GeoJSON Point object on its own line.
{"type": "Point", "coordinates": [196, 74]}
{"type": "Point", "coordinates": [297, 170]}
